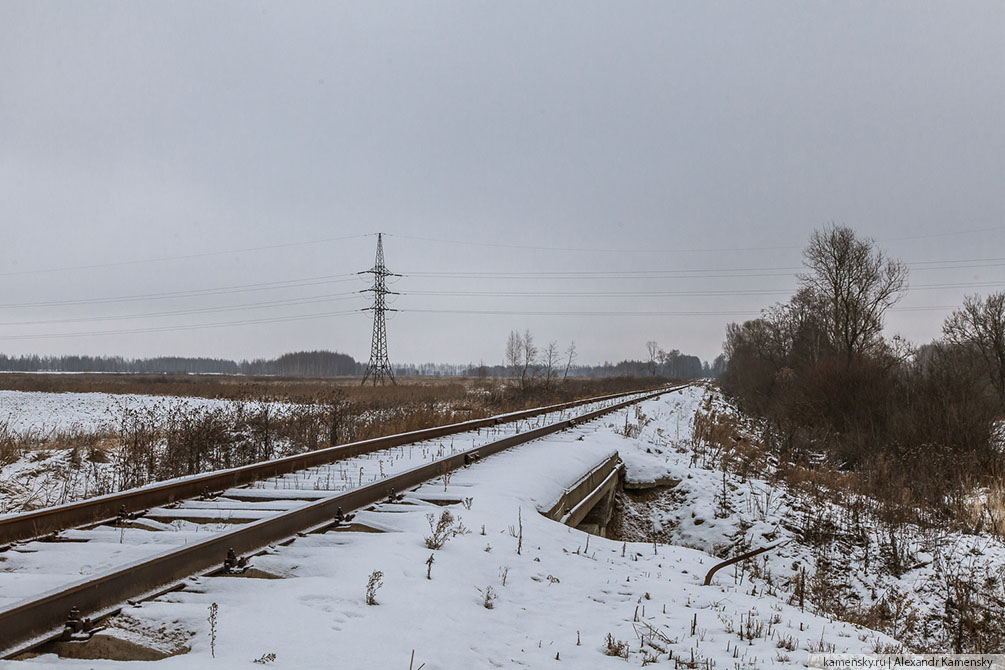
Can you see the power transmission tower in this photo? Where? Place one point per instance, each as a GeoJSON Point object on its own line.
{"type": "Point", "coordinates": [379, 367]}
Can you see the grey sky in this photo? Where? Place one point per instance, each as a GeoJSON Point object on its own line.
{"type": "Point", "coordinates": [667, 136]}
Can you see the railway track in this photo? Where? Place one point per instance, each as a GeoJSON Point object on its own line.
{"type": "Point", "coordinates": [40, 523]}
{"type": "Point", "coordinates": [140, 543]}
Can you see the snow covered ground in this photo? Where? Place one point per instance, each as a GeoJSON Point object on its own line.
{"type": "Point", "coordinates": [517, 590]}
{"type": "Point", "coordinates": [46, 477]}
{"type": "Point", "coordinates": [43, 413]}
{"type": "Point", "coordinates": [915, 582]}
{"type": "Point", "coordinates": [33, 568]}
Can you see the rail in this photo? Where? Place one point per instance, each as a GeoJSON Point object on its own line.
{"type": "Point", "coordinates": [42, 522]}
{"type": "Point", "coordinates": [30, 622]}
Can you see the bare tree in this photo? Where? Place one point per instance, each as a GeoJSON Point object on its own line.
{"type": "Point", "coordinates": [856, 283]}
{"type": "Point", "coordinates": [550, 362]}
{"type": "Point", "coordinates": [653, 348]}
{"type": "Point", "coordinates": [570, 358]}
{"type": "Point", "coordinates": [529, 364]}
{"type": "Point", "coordinates": [514, 352]}
{"type": "Point", "coordinates": [980, 325]}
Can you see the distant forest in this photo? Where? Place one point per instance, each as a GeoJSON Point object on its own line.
{"type": "Point", "coordinates": [300, 364]}
{"type": "Point", "coordinates": [332, 364]}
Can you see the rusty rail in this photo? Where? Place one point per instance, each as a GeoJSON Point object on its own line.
{"type": "Point", "coordinates": [30, 622]}
{"type": "Point", "coordinates": [38, 523]}
{"type": "Point", "coordinates": [737, 559]}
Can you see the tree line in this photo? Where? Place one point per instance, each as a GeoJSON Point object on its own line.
{"type": "Point", "coordinates": [332, 364]}
{"type": "Point", "coordinates": [532, 364]}
{"type": "Point", "coordinates": [918, 420]}
{"type": "Point", "coordinates": [297, 364]}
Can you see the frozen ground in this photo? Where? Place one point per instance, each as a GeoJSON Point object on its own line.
{"type": "Point", "coordinates": [43, 413]}
{"type": "Point", "coordinates": [916, 582]}
{"type": "Point", "coordinates": [564, 598]}
{"type": "Point", "coordinates": [45, 477]}
{"type": "Point", "coordinates": [32, 568]}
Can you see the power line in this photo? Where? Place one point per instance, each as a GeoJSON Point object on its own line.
{"type": "Point", "coordinates": [325, 315]}
{"type": "Point", "coordinates": [328, 240]}
{"type": "Point", "coordinates": [609, 313]}
{"type": "Point", "coordinates": [194, 293]}
{"type": "Point", "coordinates": [302, 300]}
{"type": "Point", "coordinates": [163, 259]}
{"type": "Point", "coordinates": [528, 247]}
{"type": "Point", "coordinates": [953, 233]}
{"type": "Point", "coordinates": [165, 329]}
{"type": "Point", "coordinates": [580, 313]}
{"type": "Point", "coordinates": [723, 273]}
{"type": "Point", "coordinates": [331, 297]}
{"type": "Point", "coordinates": [586, 274]}
{"type": "Point", "coordinates": [597, 294]}
{"type": "Point", "coordinates": [657, 293]}
{"type": "Point", "coordinates": [379, 367]}
{"type": "Point", "coordinates": [651, 250]}
{"type": "Point", "coordinates": [334, 297]}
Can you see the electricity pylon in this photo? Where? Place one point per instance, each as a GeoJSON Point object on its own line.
{"type": "Point", "coordinates": [379, 367]}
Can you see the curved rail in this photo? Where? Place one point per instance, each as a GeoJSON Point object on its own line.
{"type": "Point", "coordinates": [41, 522]}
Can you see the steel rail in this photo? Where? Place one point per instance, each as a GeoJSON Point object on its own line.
{"type": "Point", "coordinates": [42, 522]}
{"type": "Point", "coordinates": [737, 559]}
{"type": "Point", "coordinates": [30, 622]}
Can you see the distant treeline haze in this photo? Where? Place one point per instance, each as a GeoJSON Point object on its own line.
{"type": "Point", "coordinates": [325, 364]}
{"type": "Point", "coordinates": [300, 364]}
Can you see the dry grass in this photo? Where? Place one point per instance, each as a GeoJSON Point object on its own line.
{"type": "Point", "coordinates": [160, 442]}
{"type": "Point", "coordinates": [984, 511]}
{"type": "Point", "coordinates": [882, 487]}
{"type": "Point", "coordinates": [875, 506]}
{"type": "Point", "coordinates": [365, 411]}
{"type": "Point", "coordinates": [14, 444]}
{"type": "Point", "coordinates": [10, 449]}
{"type": "Point", "coordinates": [233, 387]}
{"type": "Point", "coordinates": [299, 389]}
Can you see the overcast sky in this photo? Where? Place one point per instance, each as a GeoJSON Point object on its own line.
{"type": "Point", "coordinates": [172, 165]}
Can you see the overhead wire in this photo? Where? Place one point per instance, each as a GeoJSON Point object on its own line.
{"type": "Point", "coordinates": [199, 326]}
{"type": "Point", "coordinates": [529, 247]}
{"type": "Point", "coordinates": [331, 297]}
{"type": "Point", "coordinates": [666, 273]}
{"type": "Point", "coordinates": [652, 250]}
{"type": "Point", "coordinates": [725, 273]}
{"type": "Point", "coordinates": [195, 293]}
{"type": "Point", "coordinates": [306, 300]}
{"type": "Point", "coordinates": [162, 259]}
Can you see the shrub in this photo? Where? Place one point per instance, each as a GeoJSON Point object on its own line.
{"type": "Point", "coordinates": [613, 647]}
{"type": "Point", "coordinates": [375, 581]}
{"type": "Point", "coordinates": [443, 529]}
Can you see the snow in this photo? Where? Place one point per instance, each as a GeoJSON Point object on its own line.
{"type": "Point", "coordinates": [43, 413]}
{"type": "Point", "coordinates": [60, 564]}
{"type": "Point", "coordinates": [725, 514]}
{"type": "Point", "coordinates": [555, 602]}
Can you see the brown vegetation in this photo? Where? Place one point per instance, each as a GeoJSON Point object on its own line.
{"type": "Point", "coordinates": [916, 425]}
{"type": "Point", "coordinates": [903, 442]}
{"type": "Point", "coordinates": [299, 389]}
{"type": "Point", "coordinates": [850, 522]}
{"type": "Point", "coordinates": [268, 418]}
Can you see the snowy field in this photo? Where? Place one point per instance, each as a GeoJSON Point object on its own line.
{"type": "Point", "coordinates": [516, 591]}
{"type": "Point", "coordinates": [43, 413]}
{"type": "Point", "coordinates": [35, 568]}
{"type": "Point", "coordinates": [45, 477]}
